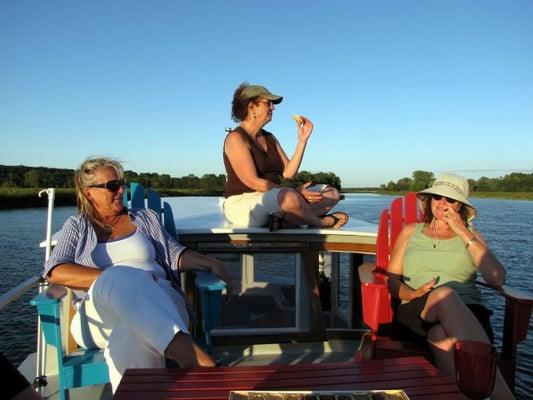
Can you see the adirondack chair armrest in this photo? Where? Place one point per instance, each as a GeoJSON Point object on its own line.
{"type": "Point", "coordinates": [208, 281]}
{"type": "Point", "coordinates": [518, 308]}
{"type": "Point", "coordinates": [51, 295]}
{"type": "Point", "coordinates": [375, 297]}
{"type": "Point", "coordinates": [509, 292]}
{"type": "Point", "coordinates": [209, 288]}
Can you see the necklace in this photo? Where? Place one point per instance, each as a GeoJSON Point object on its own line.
{"type": "Point", "coordinates": [433, 235]}
{"type": "Point", "coordinates": [107, 229]}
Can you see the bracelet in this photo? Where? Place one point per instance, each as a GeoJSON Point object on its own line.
{"type": "Point", "coordinates": [467, 245]}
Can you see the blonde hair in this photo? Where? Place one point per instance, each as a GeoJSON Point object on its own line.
{"type": "Point", "coordinates": [84, 176]}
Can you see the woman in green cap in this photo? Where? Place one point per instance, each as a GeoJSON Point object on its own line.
{"type": "Point", "coordinates": [255, 163]}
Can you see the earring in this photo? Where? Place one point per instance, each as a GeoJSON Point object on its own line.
{"type": "Point", "coordinates": [254, 116]}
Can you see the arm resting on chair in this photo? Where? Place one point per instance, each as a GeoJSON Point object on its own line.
{"type": "Point", "coordinates": [52, 294]}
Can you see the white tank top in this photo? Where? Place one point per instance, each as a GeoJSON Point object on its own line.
{"type": "Point", "coordinates": [135, 251]}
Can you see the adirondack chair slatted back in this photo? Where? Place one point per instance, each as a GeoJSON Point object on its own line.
{"type": "Point", "coordinates": [382, 241]}
{"type": "Point", "coordinates": [402, 211]}
{"type": "Point", "coordinates": [376, 300]}
{"type": "Point", "coordinates": [136, 195]}
{"type": "Point", "coordinates": [411, 212]}
{"type": "Point", "coordinates": [153, 202]}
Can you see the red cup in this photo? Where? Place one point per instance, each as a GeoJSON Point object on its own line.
{"type": "Point", "coordinates": [475, 368]}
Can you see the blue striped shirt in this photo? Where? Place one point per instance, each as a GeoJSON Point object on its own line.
{"type": "Point", "coordinates": [77, 240]}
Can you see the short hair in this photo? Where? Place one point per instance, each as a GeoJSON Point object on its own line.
{"type": "Point", "coordinates": [239, 105]}
{"type": "Point", "coordinates": [84, 176]}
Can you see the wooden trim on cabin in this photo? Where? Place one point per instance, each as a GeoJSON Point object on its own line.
{"type": "Point", "coordinates": [337, 243]}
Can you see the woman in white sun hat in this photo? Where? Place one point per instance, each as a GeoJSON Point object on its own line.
{"type": "Point", "coordinates": [433, 268]}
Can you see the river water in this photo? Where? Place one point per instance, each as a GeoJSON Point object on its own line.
{"type": "Point", "coordinates": [507, 225]}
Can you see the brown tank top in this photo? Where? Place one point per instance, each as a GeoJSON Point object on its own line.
{"type": "Point", "coordinates": [268, 164]}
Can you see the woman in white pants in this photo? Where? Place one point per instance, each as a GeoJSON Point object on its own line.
{"type": "Point", "coordinates": [127, 267]}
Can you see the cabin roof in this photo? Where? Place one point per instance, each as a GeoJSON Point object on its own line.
{"type": "Point", "coordinates": [204, 215]}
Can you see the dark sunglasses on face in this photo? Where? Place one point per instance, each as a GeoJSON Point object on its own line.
{"type": "Point", "coordinates": [113, 186]}
{"type": "Point", "coordinates": [437, 197]}
{"type": "Point", "coordinates": [267, 102]}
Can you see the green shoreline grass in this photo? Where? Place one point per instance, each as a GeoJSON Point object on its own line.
{"type": "Point", "coordinates": [481, 195]}
{"type": "Point", "coordinates": [12, 198]}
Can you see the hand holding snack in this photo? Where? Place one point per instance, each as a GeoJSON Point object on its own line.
{"type": "Point", "coordinates": [310, 196]}
{"type": "Point", "coordinates": [305, 126]}
{"type": "Point", "coordinates": [298, 118]}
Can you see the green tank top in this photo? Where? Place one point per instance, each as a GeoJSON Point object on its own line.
{"type": "Point", "coordinates": [446, 259]}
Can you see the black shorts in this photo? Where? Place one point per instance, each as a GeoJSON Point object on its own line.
{"type": "Point", "coordinates": [408, 315]}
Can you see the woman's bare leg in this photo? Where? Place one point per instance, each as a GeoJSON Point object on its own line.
{"type": "Point", "coordinates": [456, 322]}
{"type": "Point", "coordinates": [186, 353]}
{"type": "Point", "coordinates": [295, 209]}
{"type": "Point", "coordinates": [298, 211]}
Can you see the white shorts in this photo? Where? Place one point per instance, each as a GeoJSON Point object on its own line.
{"type": "Point", "coordinates": [252, 209]}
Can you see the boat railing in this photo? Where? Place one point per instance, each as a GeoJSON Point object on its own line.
{"type": "Point", "coordinates": [14, 293]}
{"type": "Point", "coordinates": [9, 297]}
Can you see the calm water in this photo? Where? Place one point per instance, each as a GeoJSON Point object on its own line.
{"type": "Point", "coordinates": [507, 227]}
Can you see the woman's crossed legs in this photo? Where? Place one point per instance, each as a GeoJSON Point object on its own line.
{"type": "Point", "coordinates": [296, 210]}
{"type": "Point", "coordinates": [455, 322]}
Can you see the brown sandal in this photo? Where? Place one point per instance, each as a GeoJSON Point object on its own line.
{"type": "Point", "coordinates": [340, 219]}
{"type": "Point", "coordinates": [275, 222]}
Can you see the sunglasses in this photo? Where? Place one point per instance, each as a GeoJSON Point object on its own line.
{"type": "Point", "coordinates": [113, 186]}
{"type": "Point", "coordinates": [267, 102]}
{"type": "Point", "coordinates": [437, 197]}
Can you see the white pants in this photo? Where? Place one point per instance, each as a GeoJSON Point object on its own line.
{"type": "Point", "coordinates": [132, 317]}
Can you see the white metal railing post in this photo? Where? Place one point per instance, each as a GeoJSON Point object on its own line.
{"type": "Point", "coordinates": [51, 192]}
{"type": "Point", "coordinates": [40, 376]}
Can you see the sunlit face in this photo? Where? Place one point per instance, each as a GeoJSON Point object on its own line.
{"type": "Point", "coordinates": [262, 109]}
{"type": "Point", "coordinates": [440, 206]}
{"type": "Point", "coordinates": [105, 202]}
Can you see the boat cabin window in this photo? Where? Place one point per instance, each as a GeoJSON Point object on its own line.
{"type": "Point", "coordinates": [269, 295]}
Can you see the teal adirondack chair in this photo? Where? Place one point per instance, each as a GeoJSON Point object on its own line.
{"type": "Point", "coordinates": [83, 367]}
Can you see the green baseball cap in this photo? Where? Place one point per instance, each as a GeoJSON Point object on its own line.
{"type": "Point", "coordinates": [260, 91]}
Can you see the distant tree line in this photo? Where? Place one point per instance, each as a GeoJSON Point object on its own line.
{"type": "Point", "coordinates": [514, 182]}
{"type": "Point", "coordinates": [41, 177]}
{"type": "Point", "coordinates": [21, 176]}
{"type": "Point", "coordinates": [328, 178]}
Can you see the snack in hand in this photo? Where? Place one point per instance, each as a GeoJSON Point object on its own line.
{"type": "Point", "coordinates": [299, 120]}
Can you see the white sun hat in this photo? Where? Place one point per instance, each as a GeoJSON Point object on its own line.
{"type": "Point", "coordinates": [454, 187]}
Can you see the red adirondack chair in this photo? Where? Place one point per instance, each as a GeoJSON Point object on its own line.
{"type": "Point", "coordinates": [378, 306]}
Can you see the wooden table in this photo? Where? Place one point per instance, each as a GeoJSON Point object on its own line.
{"type": "Point", "coordinates": [415, 375]}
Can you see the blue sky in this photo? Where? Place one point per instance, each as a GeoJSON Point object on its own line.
{"type": "Point", "coordinates": [391, 86]}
